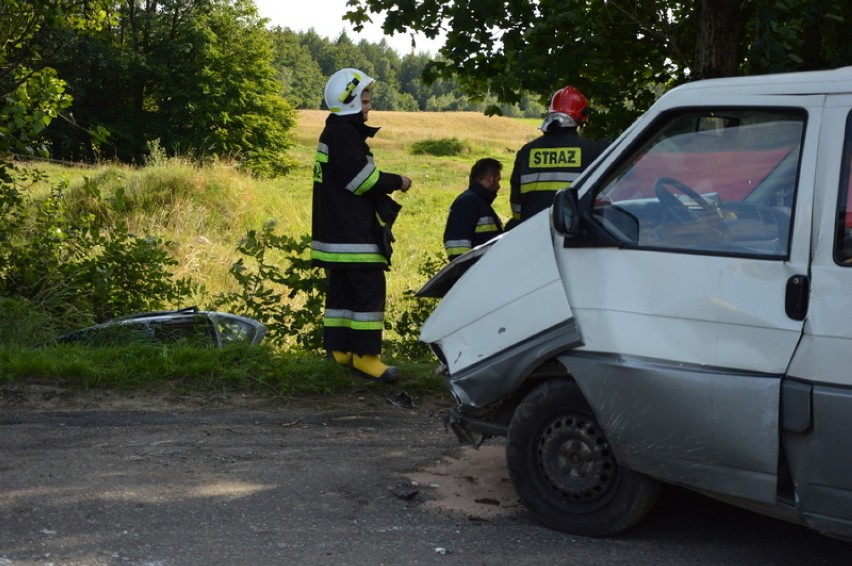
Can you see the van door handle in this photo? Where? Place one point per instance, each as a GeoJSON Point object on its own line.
{"type": "Point", "coordinates": [796, 300]}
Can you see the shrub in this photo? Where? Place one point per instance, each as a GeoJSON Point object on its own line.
{"type": "Point", "coordinates": [66, 262]}
{"type": "Point", "coordinates": [25, 322]}
{"type": "Point", "coordinates": [445, 147]}
{"type": "Point", "coordinates": [283, 293]}
{"type": "Point", "coordinates": [407, 321]}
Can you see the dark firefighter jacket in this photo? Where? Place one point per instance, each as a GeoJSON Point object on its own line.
{"type": "Point", "coordinates": [471, 221]}
{"type": "Point", "coordinates": [352, 210]}
{"type": "Point", "coordinates": [546, 164]}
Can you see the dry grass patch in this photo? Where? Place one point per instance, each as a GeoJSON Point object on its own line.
{"type": "Point", "coordinates": [207, 210]}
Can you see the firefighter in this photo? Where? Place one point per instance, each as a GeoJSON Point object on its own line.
{"type": "Point", "coordinates": [553, 160]}
{"type": "Point", "coordinates": [472, 221]}
{"type": "Point", "coordinates": [352, 217]}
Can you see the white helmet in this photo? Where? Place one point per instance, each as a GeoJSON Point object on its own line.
{"type": "Point", "coordinates": [343, 91]}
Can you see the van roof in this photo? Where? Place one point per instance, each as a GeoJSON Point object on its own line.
{"type": "Point", "coordinates": [835, 81]}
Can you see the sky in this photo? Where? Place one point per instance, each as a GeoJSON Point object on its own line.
{"type": "Point", "coordinates": [326, 18]}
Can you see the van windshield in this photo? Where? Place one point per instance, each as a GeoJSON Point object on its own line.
{"type": "Point", "coordinates": [720, 181]}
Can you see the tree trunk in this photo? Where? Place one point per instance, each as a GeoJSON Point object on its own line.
{"type": "Point", "coordinates": [717, 38]}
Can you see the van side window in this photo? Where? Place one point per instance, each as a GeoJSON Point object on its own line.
{"type": "Point", "coordinates": [714, 181]}
{"type": "Point", "coordinates": [843, 239]}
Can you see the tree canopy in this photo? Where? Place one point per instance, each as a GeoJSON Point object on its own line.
{"type": "Point", "coordinates": [32, 93]}
{"type": "Point", "coordinates": [92, 79]}
{"type": "Point", "coordinates": [192, 76]}
{"type": "Point", "coordinates": [117, 79]}
{"type": "Point", "coordinates": [620, 53]}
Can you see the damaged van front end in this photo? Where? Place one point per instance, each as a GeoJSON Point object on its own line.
{"type": "Point", "coordinates": [679, 316]}
{"type": "Point", "coordinates": [522, 317]}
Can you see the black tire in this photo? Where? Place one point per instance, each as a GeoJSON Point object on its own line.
{"type": "Point", "coordinates": [563, 469]}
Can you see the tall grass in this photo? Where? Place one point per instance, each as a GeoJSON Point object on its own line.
{"type": "Point", "coordinates": [205, 210]}
{"type": "Point", "coordinates": [436, 181]}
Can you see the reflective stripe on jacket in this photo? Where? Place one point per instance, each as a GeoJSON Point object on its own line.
{"type": "Point", "coordinates": [471, 221]}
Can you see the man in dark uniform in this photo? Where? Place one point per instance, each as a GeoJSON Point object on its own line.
{"type": "Point", "coordinates": [553, 160]}
{"type": "Point", "coordinates": [472, 221]}
{"type": "Point", "coordinates": [352, 217]}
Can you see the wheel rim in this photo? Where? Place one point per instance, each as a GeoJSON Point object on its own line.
{"type": "Point", "coordinates": [575, 460]}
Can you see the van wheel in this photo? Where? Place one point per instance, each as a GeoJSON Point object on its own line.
{"type": "Point", "coordinates": [563, 469]}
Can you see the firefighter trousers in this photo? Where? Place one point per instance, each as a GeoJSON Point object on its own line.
{"type": "Point", "coordinates": [355, 311]}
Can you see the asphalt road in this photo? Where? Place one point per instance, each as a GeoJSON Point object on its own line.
{"type": "Point", "coordinates": [108, 479]}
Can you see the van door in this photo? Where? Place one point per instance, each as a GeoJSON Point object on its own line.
{"type": "Point", "coordinates": [690, 310]}
{"type": "Point", "coordinates": [818, 397]}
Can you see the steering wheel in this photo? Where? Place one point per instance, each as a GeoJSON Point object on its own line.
{"type": "Point", "coordinates": [672, 204]}
{"type": "Point", "coordinates": [705, 229]}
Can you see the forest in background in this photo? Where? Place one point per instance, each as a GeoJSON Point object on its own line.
{"type": "Point", "coordinates": [121, 80]}
{"type": "Point", "coordinates": [201, 79]}
{"type": "Point", "coordinates": [305, 60]}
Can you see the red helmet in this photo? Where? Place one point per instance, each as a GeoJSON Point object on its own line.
{"type": "Point", "coordinates": [571, 102]}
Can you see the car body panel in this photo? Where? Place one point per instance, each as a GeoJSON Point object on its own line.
{"type": "Point", "coordinates": [488, 315]}
{"type": "Point", "coordinates": [820, 460]}
{"type": "Point", "coordinates": [695, 426]}
{"type": "Point", "coordinates": [637, 303]}
{"type": "Point", "coordinates": [818, 451]}
{"type": "Point", "coordinates": [827, 339]}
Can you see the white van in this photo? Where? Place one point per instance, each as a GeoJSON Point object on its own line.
{"type": "Point", "coordinates": [682, 315]}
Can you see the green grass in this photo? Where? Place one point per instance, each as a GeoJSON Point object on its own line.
{"type": "Point", "coordinates": [255, 369]}
{"type": "Point", "coordinates": [207, 210]}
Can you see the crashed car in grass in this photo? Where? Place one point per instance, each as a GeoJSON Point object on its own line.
{"type": "Point", "coordinates": [680, 316]}
{"type": "Point", "coordinates": [206, 328]}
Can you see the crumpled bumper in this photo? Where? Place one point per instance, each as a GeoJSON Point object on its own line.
{"type": "Point", "coordinates": [471, 430]}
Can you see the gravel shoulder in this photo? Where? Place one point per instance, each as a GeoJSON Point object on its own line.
{"type": "Point", "coordinates": [472, 483]}
{"type": "Point", "coordinates": [80, 464]}
{"type": "Point", "coordinates": [160, 479]}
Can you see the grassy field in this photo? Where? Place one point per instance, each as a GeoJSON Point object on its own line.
{"type": "Point", "coordinates": [436, 181]}
{"type": "Point", "coordinates": [206, 210]}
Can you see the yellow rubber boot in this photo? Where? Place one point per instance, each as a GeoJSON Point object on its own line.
{"type": "Point", "coordinates": [343, 358]}
{"type": "Point", "coordinates": [373, 368]}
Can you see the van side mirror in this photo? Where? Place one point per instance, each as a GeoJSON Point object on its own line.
{"type": "Point", "coordinates": [565, 213]}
